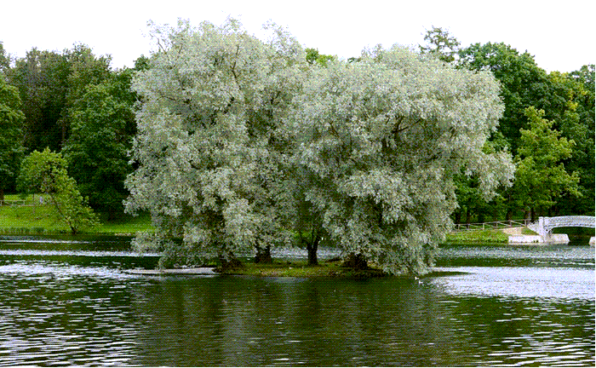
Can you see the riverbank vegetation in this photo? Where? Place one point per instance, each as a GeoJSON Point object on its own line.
{"type": "Point", "coordinates": [27, 215]}
{"type": "Point", "coordinates": [243, 144]}
{"type": "Point", "coordinates": [280, 268]}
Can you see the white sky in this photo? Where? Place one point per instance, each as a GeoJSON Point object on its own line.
{"type": "Point", "coordinates": [560, 34]}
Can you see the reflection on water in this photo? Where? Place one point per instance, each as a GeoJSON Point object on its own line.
{"type": "Point", "coordinates": [520, 282]}
{"type": "Point", "coordinates": [62, 304]}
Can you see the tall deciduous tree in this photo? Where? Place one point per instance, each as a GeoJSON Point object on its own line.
{"type": "Point", "coordinates": [382, 140]}
{"type": "Point", "coordinates": [523, 83]}
{"type": "Point", "coordinates": [208, 170]}
{"type": "Point", "coordinates": [49, 84]}
{"type": "Point", "coordinates": [41, 77]}
{"type": "Point", "coordinates": [572, 110]}
{"type": "Point", "coordinates": [101, 134]}
{"type": "Point", "coordinates": [46, 172]}
{"type": "Point", "coordinates": [541, 176]}
{"type": "Point", "coordinates": [4, 59]}
{"type": "Point", "coordinates": [11, 145]}
{"type": "Point", "coordinates": [441, 44]}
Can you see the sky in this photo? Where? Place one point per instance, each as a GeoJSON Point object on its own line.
{"type": "Point", "coordinates": [559, 34]}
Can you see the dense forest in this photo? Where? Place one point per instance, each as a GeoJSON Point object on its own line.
{"type": "Point", "coordinates": [74, 104]}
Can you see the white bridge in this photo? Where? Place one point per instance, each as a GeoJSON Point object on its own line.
{"type": "Point", "coordinates": [545, 225]}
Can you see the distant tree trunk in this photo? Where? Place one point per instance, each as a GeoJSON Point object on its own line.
{"type": "Point", "coordinates": [468, 215]}
{"type": "Point", "coordinates": [1, 196]}
{"type": "Point", "coordinates": [263, 255]}
{"type": "Point", "coordinates": [458, 217]}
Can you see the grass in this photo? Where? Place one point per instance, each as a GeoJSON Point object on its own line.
{"type": "Point", "coordinates": [126, 225]}
{"type": "Point", "coordinates": [302, 269]}
{"type": "Point", "coordinates": [280, 268]}
{"type": "Point", "coordinates": [42, 219]}
{"type": "Point", "coordinates": [478, 236]}
{"type": "Point", "coordinates": [497, 236]}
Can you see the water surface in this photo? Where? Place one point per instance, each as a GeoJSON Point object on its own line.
{"type": "Point", "coordinates": [69, 301]}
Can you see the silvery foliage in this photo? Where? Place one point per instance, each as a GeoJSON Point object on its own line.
{"type": "Point", "coordinates": [382, 139]}
{"type": "Point", "coordinates": [208, 168]}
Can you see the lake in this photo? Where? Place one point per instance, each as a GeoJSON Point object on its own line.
{"type": "Point", "coordinates": [69, 301]}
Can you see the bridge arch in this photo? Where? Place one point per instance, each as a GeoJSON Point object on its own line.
{"type": "Point", "coordinates": [545, 226]}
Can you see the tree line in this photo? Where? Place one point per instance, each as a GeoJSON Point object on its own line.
{"type": "Point", "coordinates": [233, 143]}
{"type": "Point", "coordinates": [547, 125]}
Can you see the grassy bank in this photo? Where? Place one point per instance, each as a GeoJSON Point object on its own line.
{"type": "Point", "coordinates": [281, 268]}
{"type": "Point", "coordinates": [483, 236]}
{"type": "Point", "coordinates": [478, 236]}
{"type": "Point", "coordinates": [302, 269]}
{"type": "Point", "coordinates": [42, 219]}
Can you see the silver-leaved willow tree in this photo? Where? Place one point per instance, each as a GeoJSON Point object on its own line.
{"type": "Point", "coordinates": [242, 146]}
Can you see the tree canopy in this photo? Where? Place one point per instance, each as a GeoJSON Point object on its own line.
{"type": "Point", "coordinates": [101, 135]}
{"type": "Point", "coordinates": [206, 168]}
{"type": "Point", "coordinates": [11, 145]}
{"type": "Point", "coordinates": [244, 143]}
{"type": "Point", "coordinates": [230, 122]}
{"type": "Point", "coordinates": [46, 173]}
{"type": "Point", "coordinates": [382, 140]}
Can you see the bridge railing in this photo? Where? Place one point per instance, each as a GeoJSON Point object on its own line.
{"type": "Point", "coordinates": [494, 225]}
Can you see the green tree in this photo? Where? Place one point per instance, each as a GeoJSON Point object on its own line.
{"type": "Point", "coordinates": [541, 176]}
{"type": "Point", "coordinates": [4, 59]}
{"type": "Point", "coordinates": [314, 57]}
{"type": "Point", "coordinates": [523, 83]}
{"type": "Point", "coordinates": [572, 109]}
{"type": "Point", "coordinates": [101, 134]}
{"type": "Point", "coordinates": [382, 140]}
{"type": "Point", "coordinates": [41, 78]}
{"type": "Point", "coordinates": [11, 147]}
{"type": "Point", "coordinates": [206, 150]}
{"type": "Point", "coordinates": [49, 84]}
{"type": "Point", "coordinates": [46, 172]}
{"type": "Point", "coordinates": [440, 44]}
{"type": "Point", "coordinates": [85, 69]}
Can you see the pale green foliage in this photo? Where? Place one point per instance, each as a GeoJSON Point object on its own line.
{"type": "Point", "coordinates": [46, 172]}
{"type": "Point", "coordinates": [208, 172]}
{"type": "Point", "coordinates": [382, 139]}
{"type": "Point", "coordinates": [240, 140]}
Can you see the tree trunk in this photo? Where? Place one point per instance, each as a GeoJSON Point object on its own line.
{"type": "Point", "coordinates": [1, 196]}
{"type": "Point", "coordinates": [263, 255]}
{"type": "Point", "coordinates": [458, 217]}
{"type": "Point", "coordinates": [312, 252]}
{"type": "Point", "coordinates": [229, 263]}
{"type": "Point", "coordinates": [468, 216]}
{"type": "Point", "coordinates": [312, 245]}
{"type": "Point", "coordinates": [356, 261]}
